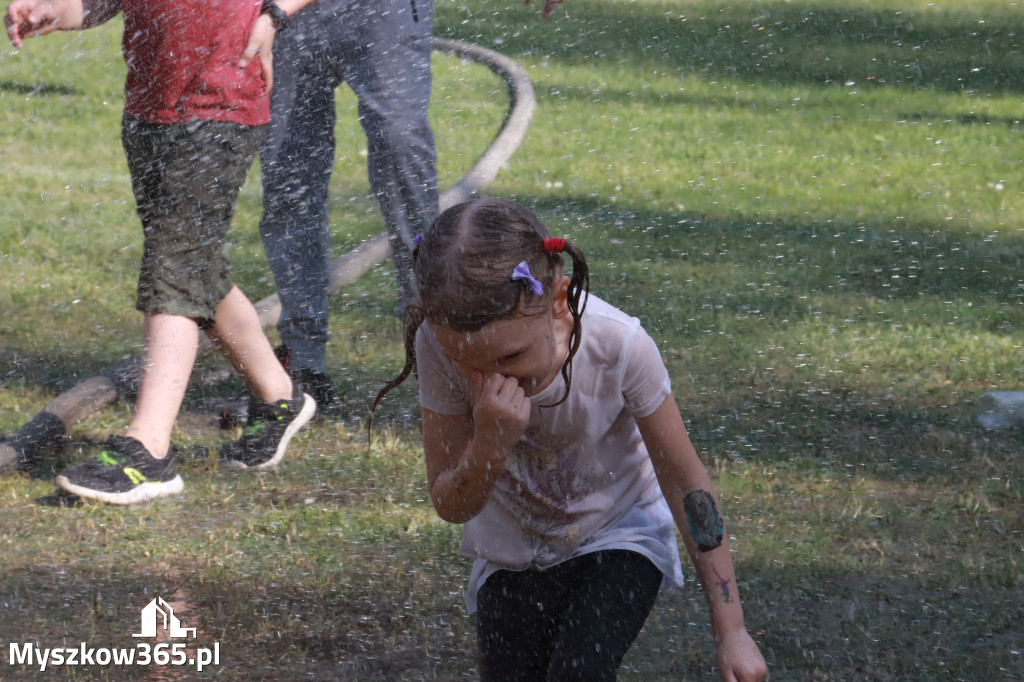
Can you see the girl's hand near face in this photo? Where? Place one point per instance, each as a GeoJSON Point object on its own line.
{"type": "Point", "coordinates": [466, 453]}
{"type": "Point", "coordinates": [501, 412]}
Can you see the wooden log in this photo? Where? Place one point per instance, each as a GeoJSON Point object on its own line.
{"type": "Point", "coordinates": [46, 432]}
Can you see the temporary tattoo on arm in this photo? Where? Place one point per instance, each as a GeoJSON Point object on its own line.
{"type": "Point", "coordinates": [723, 585]}
{"type": "Point", "coordinates": [703, 519]}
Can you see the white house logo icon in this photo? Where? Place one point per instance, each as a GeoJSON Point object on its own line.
{"type": "Point", "coordinates": [159, 610]}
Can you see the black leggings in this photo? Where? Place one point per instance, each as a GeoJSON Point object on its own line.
{"type": "Point", "coordinates": [574, 621]}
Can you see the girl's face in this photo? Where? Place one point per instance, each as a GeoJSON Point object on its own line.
{"type": "Point", "coordinates": [528, 348]}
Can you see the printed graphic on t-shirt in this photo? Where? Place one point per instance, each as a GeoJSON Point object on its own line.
{"type": "Point", "coordinates": [545, 488]}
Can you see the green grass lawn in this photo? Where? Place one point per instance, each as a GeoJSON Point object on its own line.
{"type": "Point", "coordinates": [815, 208]}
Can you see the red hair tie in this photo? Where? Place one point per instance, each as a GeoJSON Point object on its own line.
{"type": "Point", "coordinates": [554, 244]}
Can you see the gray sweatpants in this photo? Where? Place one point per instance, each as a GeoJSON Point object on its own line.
{"type": "Point", "coordinates": [381, 49]}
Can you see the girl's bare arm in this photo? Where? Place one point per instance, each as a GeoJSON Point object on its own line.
{"type": "Point", "coordinates": [459, 483]}
{"type": "Point", "coordinates": [691, 496]}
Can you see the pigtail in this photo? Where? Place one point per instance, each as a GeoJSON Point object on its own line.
{"type": "Point", "coordinates": [413, 318]}
{"type": "Point", "coordinates": [579, 288]}
{"type": "Point", "coordinates": [579, 283]}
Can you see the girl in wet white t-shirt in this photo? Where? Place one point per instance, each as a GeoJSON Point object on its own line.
{"type": "Point", "coordinates": [551, 433]}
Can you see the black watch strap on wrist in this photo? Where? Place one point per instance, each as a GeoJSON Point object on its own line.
{"type": "Point", "coordinates": [277, 15]}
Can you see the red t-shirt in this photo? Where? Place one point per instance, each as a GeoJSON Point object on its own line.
{"type": "Point", "coordinates": [182, 58]}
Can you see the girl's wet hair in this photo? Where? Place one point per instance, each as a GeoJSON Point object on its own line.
{"type": "Point", "coordinates": [463, 268]}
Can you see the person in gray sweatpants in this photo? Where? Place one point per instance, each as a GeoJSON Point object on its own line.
{"type": "Point", "coordinates": [381, 49]}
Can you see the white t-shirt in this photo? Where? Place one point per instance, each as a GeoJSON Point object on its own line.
{"type": "Point", "coordinates": [580, 479]}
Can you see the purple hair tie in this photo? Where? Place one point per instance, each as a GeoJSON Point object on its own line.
{"type": "Point", "coordinates": [521, 273]}
{"type": "Point", "coordinates": [417, 239]}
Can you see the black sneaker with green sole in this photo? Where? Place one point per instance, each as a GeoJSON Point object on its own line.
{"type": "Point", "coordinates": [123, 473]}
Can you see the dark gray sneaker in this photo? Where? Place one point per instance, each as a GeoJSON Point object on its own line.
{"type": "Point", "coordinates": [318, 385]}
{"type": "Point", "coordinates": [268, 429]}
{"type": "Point", "coordinates": [313, 383]}
{"type": "Point", "coordinates": [123, 473]}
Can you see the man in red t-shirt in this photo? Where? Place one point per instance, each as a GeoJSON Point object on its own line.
{"type": "Point", "coordinates": [199, 73]}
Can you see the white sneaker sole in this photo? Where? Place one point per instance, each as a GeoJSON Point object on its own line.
{"type": "Point", "coordinates": [140, 493]}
